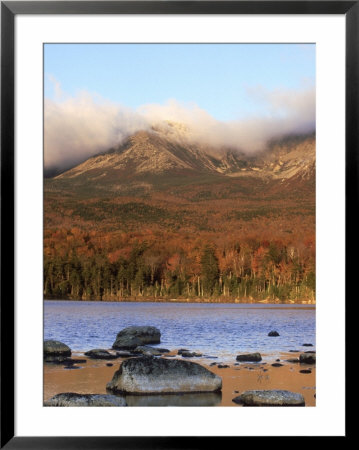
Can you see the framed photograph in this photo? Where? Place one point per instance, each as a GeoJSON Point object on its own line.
{"type": "Point", "coordinates": [175, 182]}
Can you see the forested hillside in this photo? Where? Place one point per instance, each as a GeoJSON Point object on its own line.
{"type": "Point", "coordinates": [207, 229]}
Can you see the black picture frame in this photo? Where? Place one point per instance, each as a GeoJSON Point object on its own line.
{"type": "Point", "coordinates": [9, 10]}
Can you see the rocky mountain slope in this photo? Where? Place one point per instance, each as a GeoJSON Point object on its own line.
{"type": "Point", "coordinates": [169, 151]}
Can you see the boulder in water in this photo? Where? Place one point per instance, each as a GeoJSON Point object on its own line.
{"type": "Point", "coordinates": [270, 398]}
{"type": "Point", "coordinates": [273, 333]}
{"type": "Point", "coordinates": [150, 375]}
{"type": "Point", "coordinates": [307, 358]}
{"type": "Point", "coordinates": [56, 351]}
{"type": "Point", "coordinates": [132, 337]}
{"type": "Point", "coordinates": [249, 357]}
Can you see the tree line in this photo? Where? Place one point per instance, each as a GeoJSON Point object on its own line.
{"type": "Point", "coordinates": [241, 272]}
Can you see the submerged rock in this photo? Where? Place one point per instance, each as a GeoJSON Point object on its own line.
{"type": "Point", "coordinates": [99, 353]}
{"type": "Point", "coordinates": [150, 375]}
{"type": "Point", "coordinates": [270, 398]}
{"type": "Point", "coordinates": [56, 351]}
{"type": "Point", "coordinates": [73, 399]}
{"type": "Point", "coordinates": [273, 333]}
{"type": "Point", "coordinates": [307, 345]}
{"type": "Point", "coordinates": [132, 337]}
{"type": "Point", "coordinates": [307, 358]}
{"type": "Point", "coordinates": [292, 360]}
{"type": "Point", "coordinates": [248, 357]}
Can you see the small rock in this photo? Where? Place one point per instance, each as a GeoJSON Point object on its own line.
{"type": "Point", "coordinates": [181, 350]}
{"type": "Point", "coordinates": [222, 366]}
{"type": "Point", "coordinates": [305, 371]}
{"type": "Point", "coordinates": [125, 354]}
{"type": "Point", "coordinates": [99, 353]}
{"type": "Point", "coordinates": [249, 357]}
{"type": "Point", "coordinates": [151, 350]}
{"type": "Point", "coordinates": [307, 345]}
{"type": "Point", "coordinates": [270, 398]}
{"type": "Point", "coordinates": [190, 355]}
{"type": "Point", "coordinates": [273, 333]}
{"type": "Point", "coordinates": [109, 364]}
{"type": "Point", "coordinates": [71, 362]}
{"type": "Point", "coordinates": [213, 364]}
{"type": "Point", "coordinates": [73, 399]}
{"type": "Point", "coordinates": [278, 360]}
{"type": "Point", "coordinates": [292, 360]}
{"type": "Point", "coordinates": [307, 358]}
{"type": "Point", "coordinates": [72, 367]}
{"type": "Point", "coordinates": [276, 365]}
{"type": "Point", "coordinates": [294, 351]}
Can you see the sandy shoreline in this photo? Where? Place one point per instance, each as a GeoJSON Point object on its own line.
{"type": "Point", "coordinates": [91, 378]}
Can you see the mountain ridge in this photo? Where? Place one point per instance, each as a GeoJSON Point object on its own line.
{"type": "Point", "coordinates": [158, 152]}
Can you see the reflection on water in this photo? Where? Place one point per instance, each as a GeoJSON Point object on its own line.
{"type": "Point", "coordinates": [222, 330]}
{"type": "Point", "coordinates": [199, 399]}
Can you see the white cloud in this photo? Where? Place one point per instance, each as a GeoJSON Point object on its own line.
{"type": "Point", "coordinates": [79, 127]}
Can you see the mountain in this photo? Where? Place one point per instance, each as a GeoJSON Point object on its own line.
{"type": "Point", "coordinates": [161, 180]}
{"type": "Point", "coordinates": [168, 150]}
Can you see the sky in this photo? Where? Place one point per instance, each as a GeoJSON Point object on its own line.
{"type": "Point", "coordinates": [128, 85]}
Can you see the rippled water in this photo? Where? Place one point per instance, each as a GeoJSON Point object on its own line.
{"type": "Point", "coordinates": [221, 330]}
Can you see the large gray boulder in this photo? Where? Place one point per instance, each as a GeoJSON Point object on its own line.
{"type": "Point", "coordinates": [270, 398]}
{"type": "Point", "coordinates": [249, 357]}
{"type": "Point", "coordinates": [150, 375]}
{"type": "Point", "coordinates": [307, 358]}
{"type": "Point", "coordinates": [56, 350]}
{"type": "Point", "coordinates": [73, 399]}
{"type": "Point", "coordinates": [132, 337]}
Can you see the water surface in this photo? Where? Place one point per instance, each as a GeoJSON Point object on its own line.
{"type": "Point", "coordinates": [221, 330]}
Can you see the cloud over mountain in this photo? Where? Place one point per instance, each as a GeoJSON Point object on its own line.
{"type": "Point", "coordinates": [83, 125]}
